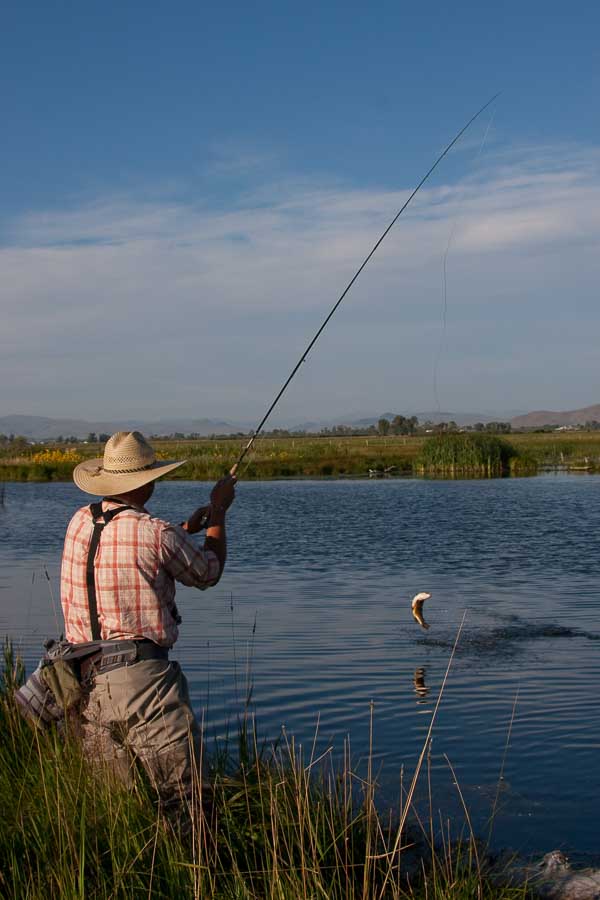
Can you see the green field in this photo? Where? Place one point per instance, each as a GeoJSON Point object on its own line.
{"type": "Point", "coordinates": [309, 457]}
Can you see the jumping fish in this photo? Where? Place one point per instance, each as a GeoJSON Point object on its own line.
{"type": "Point", "coordinates": [417, 608]}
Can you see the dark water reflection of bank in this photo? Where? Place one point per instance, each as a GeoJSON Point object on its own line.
{"type": "Point", "coordinates": [327, 570]}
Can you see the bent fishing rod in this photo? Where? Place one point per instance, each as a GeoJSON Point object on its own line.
{"type": "Point", "coordinates": [260, 426]}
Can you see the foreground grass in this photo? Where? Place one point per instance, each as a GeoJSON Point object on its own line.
{"type": "Point", "coordinates": [312, 457]}
{"type": "Point", "coordinates": [281, 827]}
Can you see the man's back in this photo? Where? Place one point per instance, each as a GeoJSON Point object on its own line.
{"type": "Point", "coordinates": [139, 557]}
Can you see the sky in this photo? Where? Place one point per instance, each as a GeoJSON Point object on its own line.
{"type": "Point", "coordinates": [187, 188]}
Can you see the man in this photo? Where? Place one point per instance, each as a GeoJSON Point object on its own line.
{"type": "Point", "coordinates": [119, 569]}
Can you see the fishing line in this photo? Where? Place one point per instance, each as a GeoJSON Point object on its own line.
{"type": "Point", "coordinates": [441, 345]}
{"type": "Point", "coordinates": [380, 240]}
{"type": "Point", "coordinates": [52, 599]}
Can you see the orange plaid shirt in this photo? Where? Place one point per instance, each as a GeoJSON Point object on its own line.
{"type": "Point", "coordinates": [138, 561]}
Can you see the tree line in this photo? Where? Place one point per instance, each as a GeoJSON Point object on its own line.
{"type": "Point", "coordinates": [396, 425]}
{"type": "Point", "coordinates": [410, 425]}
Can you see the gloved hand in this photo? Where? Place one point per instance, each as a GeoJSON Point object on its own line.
{"type": "Point", "coordinates": [223, 493]}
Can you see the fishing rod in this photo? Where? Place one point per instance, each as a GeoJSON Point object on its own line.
{"type": "Point", "coordinates": [260, 426]}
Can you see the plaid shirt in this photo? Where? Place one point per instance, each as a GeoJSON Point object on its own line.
{"type": "Point", "coordinates": [137, 563]}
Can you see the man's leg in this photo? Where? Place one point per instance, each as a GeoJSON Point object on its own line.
{"type": "Point", "coordinates": [166, 739]}
{"type": "Point", "coordinates": [104, 733]}
{"type": "Point", "coordinates": [144, 711]}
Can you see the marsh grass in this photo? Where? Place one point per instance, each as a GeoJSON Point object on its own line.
{"type": "Point", "coordinates": [304, 457]}
{"type": "Point", "coordinates": [471, 454]}
{"type": "Point", "coordinates": [328, 456]}
{"type": "Point", "coordinates": [568, 450]}
{"type": "Point", "coordinates": [282, 824]}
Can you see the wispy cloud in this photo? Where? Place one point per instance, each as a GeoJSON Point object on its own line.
{"type": "Point", "coordinates": [185, 284]}
{"type": "Point", "coordinates": [229, 159]}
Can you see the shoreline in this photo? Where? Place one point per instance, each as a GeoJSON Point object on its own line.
{"type": "Point", "coordinates": [540, 471]}
{"type": "Point", "coordinates": [326, 457]}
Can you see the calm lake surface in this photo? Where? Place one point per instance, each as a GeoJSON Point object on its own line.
{"type": "Point", "coordinates": [314, 608]}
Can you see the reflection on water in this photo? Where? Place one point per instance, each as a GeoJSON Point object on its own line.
{"type": "Point", "coordinates": [313, 615]}
{"type": "Point", "coordinates": [421, 688]}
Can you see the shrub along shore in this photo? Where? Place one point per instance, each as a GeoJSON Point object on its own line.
{"type": "Point", "coordinates": [269, 824]}
{"type": "Point", "coordinates": [459, 454]}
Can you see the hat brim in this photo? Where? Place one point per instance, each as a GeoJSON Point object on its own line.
{"type": "Point", "coordinates": [92, 478]}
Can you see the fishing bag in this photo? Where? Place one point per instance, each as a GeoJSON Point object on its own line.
{"type": "Point", "coordinates": [65, 675]}
{"type": "Point", "coordinates": [57, 686]}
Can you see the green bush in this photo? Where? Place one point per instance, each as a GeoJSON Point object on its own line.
{"type": "Point", "coordinates": [466, 453]}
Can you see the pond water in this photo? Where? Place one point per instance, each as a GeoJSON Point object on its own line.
{"type": "Point", "coordinates": [314, 611]}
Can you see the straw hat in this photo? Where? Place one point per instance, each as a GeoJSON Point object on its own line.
{"type": "Point", "coordinates": [129, 462]}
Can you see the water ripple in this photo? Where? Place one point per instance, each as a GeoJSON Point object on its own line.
{"type": "Point", "coordinates": [313, 613]}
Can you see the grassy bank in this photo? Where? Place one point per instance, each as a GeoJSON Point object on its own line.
{"type": "Point", "coordinates": [576, 450]}
{"type": "Point", "coordinates": [282, 826]}
{"type": "Point", "coordinates": [312, 457]}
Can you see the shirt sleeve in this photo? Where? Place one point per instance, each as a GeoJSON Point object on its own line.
{"type": "Point", "coordinates": [186, 562]}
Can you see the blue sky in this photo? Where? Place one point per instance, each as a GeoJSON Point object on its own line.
{"type": "Point", "coordinates": [186, 188]}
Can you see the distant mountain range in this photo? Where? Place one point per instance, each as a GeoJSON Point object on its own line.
{"type": "Point", "coordinates": [543, 417]}
{"type": "Point", "coordinates": [42, 428]}
{"type": "Point", "coordinates": [45, 428]}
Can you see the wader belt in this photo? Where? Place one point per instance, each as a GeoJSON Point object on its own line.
{"type": "Point", "coordinates": [99, 526]}
{"type": "Point", "coordinates": [114, 654]}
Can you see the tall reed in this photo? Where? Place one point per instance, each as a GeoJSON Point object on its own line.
{"type": "Point", "coordinates": [282, 825]}
{"type": "Point", "coordinates": [464, 453]}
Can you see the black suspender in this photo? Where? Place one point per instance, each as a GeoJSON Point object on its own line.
{"type": "Point", "coordinates": [99, 525]}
